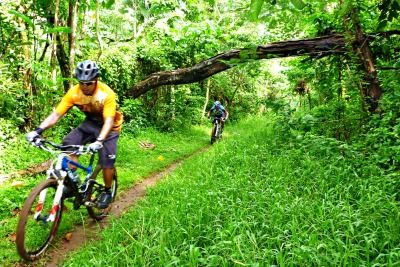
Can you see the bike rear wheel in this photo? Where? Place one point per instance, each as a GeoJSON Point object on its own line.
{"type": "Point", "coordinates": [93, 194]}
{"type": "Point", "coordinates": [35, 234]}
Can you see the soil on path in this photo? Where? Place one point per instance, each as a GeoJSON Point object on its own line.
{"type": "Point", "coordinates": [91, 229]}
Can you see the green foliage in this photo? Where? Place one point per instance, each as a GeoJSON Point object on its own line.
{"type": "Point", "coordinates": [255, 8]}
{"type": "Point", "coordinates": [22, 16]}
{"type": "Point", "coordinates": [389, 11]}
{"type": "Point", "coordinates": [12, 98]}
{"type": "Point", "coordinates": [256, 5]}
{"type": "Point", "coordinates": [134, 164]}
{"type": "Point", "coordinates": [135, 116]}
{"type": "Point", "coordinates": [159, 35]}
{"type": "Point", "coordinates": [260, 198]}
{"type": "Point", "coordinates": [381, 138]}
{"type": "Point", "coordinates": [118, 68]}
{"type": "Point", "coordinates": [8, 134]}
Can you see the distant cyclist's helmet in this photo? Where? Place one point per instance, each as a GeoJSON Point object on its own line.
{"type": "Point", "coordinates": [87, 70]}
{"type": "Point", "coordinates": [217, 103]}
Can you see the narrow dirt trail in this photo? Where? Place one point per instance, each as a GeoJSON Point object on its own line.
{"type": "Point", "coordinates": [91, 230]}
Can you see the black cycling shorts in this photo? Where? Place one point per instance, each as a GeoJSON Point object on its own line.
{"type": "Point", "coordinates": [87, 133]}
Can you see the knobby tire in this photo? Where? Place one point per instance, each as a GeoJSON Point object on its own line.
{"type": "Point", "coordinates": [213, 138]}
{"type": "Point", "coordinates": [93, 193]}
{"type": "Point", "coordinates": [34, 235]}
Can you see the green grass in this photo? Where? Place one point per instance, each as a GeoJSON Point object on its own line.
{"type": "Point", "coordinates": [133, 164]}
{"type": "Point", "coordinates": [256, 199]}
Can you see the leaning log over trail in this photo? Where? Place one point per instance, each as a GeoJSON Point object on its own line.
{"type": "Point", "coordinates": [331, 44]}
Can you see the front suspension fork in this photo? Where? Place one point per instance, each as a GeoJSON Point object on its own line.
{"type": "Point", "coordinates": [56, 203]}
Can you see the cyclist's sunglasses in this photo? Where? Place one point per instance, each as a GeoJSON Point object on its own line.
{"type": "Point", "coordinates": [87, 83]}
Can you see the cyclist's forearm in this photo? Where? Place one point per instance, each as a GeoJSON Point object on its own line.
{"type": "Point", "coordinates": [107, 127]}
{"type": "Point", "coordinates": [52, 119]}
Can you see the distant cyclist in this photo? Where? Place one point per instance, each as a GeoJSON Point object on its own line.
{"type": "Point", "coordinates": [219, 112]}
{"type": "Point", "coordinates": [101, 126]}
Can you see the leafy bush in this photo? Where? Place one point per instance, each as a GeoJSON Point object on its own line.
{"type": "Point", "coordinates": [134, 116]}
{"type": "Point", "coordinates": [12, 98]}
{"type": "Point", "coordinates": [8, 132]}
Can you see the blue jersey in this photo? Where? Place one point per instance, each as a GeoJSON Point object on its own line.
{"type": "Point", "coordinates": [221, 112]}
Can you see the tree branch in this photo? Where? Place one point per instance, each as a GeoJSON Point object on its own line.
{"type": "Point", "coordinates": [331, 44]}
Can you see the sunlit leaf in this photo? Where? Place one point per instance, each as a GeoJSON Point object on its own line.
{"type": "Point", "coordinates": [299, 4]}
{"type": "Point", "coordinates": [59, 29]}
{"type": "Point", "coordinates": [212, 2]}
{"type": "Point", "coordinates": [17, 184]}
{"type": "Point", "coordinates": [255, 8]}
{"type": "Point", "coordinates": [108, 4]}
{"type": "Point", "coordinates": [68, 237]}
{"type": "Point", "coordinates": [145, 12]}
{"type": "Point", "coordinates": [22, 16]}
{"type": "Point", "coordinates": [346, 4]}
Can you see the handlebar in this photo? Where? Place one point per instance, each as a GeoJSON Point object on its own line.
{"type": "Point", "coordinates": [216, 118]}
{"type": "Point", "coordinates": [76, 149]}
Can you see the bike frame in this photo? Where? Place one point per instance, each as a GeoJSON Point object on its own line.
{"type": "Point", "coordinates": [62, 167]}
{"type": "Point", "coordinates": [217, 122]}
{"type": "Point", "coordinates": [48, 197]}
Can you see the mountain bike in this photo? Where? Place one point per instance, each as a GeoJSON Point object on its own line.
{"type": "Point", "coordinates": [41, 213]}
{"type": "Point", "coordinates": [216, 133]}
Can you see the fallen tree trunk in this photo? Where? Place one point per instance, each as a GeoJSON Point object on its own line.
{"type": "Point", "coordinates": [314, 47]}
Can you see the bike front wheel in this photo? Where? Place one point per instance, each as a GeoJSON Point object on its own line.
{"type": "Point", "coordinates": [38, 220]}
{"type": "Point", "coordinates": [93, 194]}
{"type": "Point", "coordinates": [213, 133]}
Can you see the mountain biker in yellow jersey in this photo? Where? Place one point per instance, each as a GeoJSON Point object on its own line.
{"type": "Point", "coordinates": [219, 112]}
{"type": "Point", "coordinates": [101, 127]}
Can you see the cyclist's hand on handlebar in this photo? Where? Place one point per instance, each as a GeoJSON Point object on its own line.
{"type": "Point", "coordinates": [94, 147]}
{"type": "Point", "coordinates": [33, 137]}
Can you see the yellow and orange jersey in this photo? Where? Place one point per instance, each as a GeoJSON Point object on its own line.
{"type": "Point", "coordinates": [96, 107]}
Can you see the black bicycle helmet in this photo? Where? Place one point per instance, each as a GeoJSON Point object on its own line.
{"type": "Point", "coordinates": [86, 70]}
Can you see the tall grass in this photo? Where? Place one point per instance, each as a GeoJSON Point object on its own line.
{"type": "Point", "coordinates": [260, 198]}
{"type": "Point", "coordinates": [133, 164]}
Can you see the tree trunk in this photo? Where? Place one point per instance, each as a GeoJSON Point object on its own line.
{"type": "Point", "coordinates": [207, 98]}
{"type": "Point", "coordinates": [72, 23]}
{"type": "Point", "coordinates": [374, 90]}
{"type": "Point", "coordinates": [27, 83]}
{"type": "Point", "coordinates": [172, 102]}
{"type": "Point", "coordinates": [63, 61]}
{"type": "Point", "coordinates": [53, 57]}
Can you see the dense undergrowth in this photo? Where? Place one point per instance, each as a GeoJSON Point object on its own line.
{"type": "Point", "coordinates": [261, 197]}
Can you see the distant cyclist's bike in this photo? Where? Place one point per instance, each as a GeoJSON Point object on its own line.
{"type": "Point", "coordinates": [216, 133]}
{"type": "Point", "coordinates": [41, 214]}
